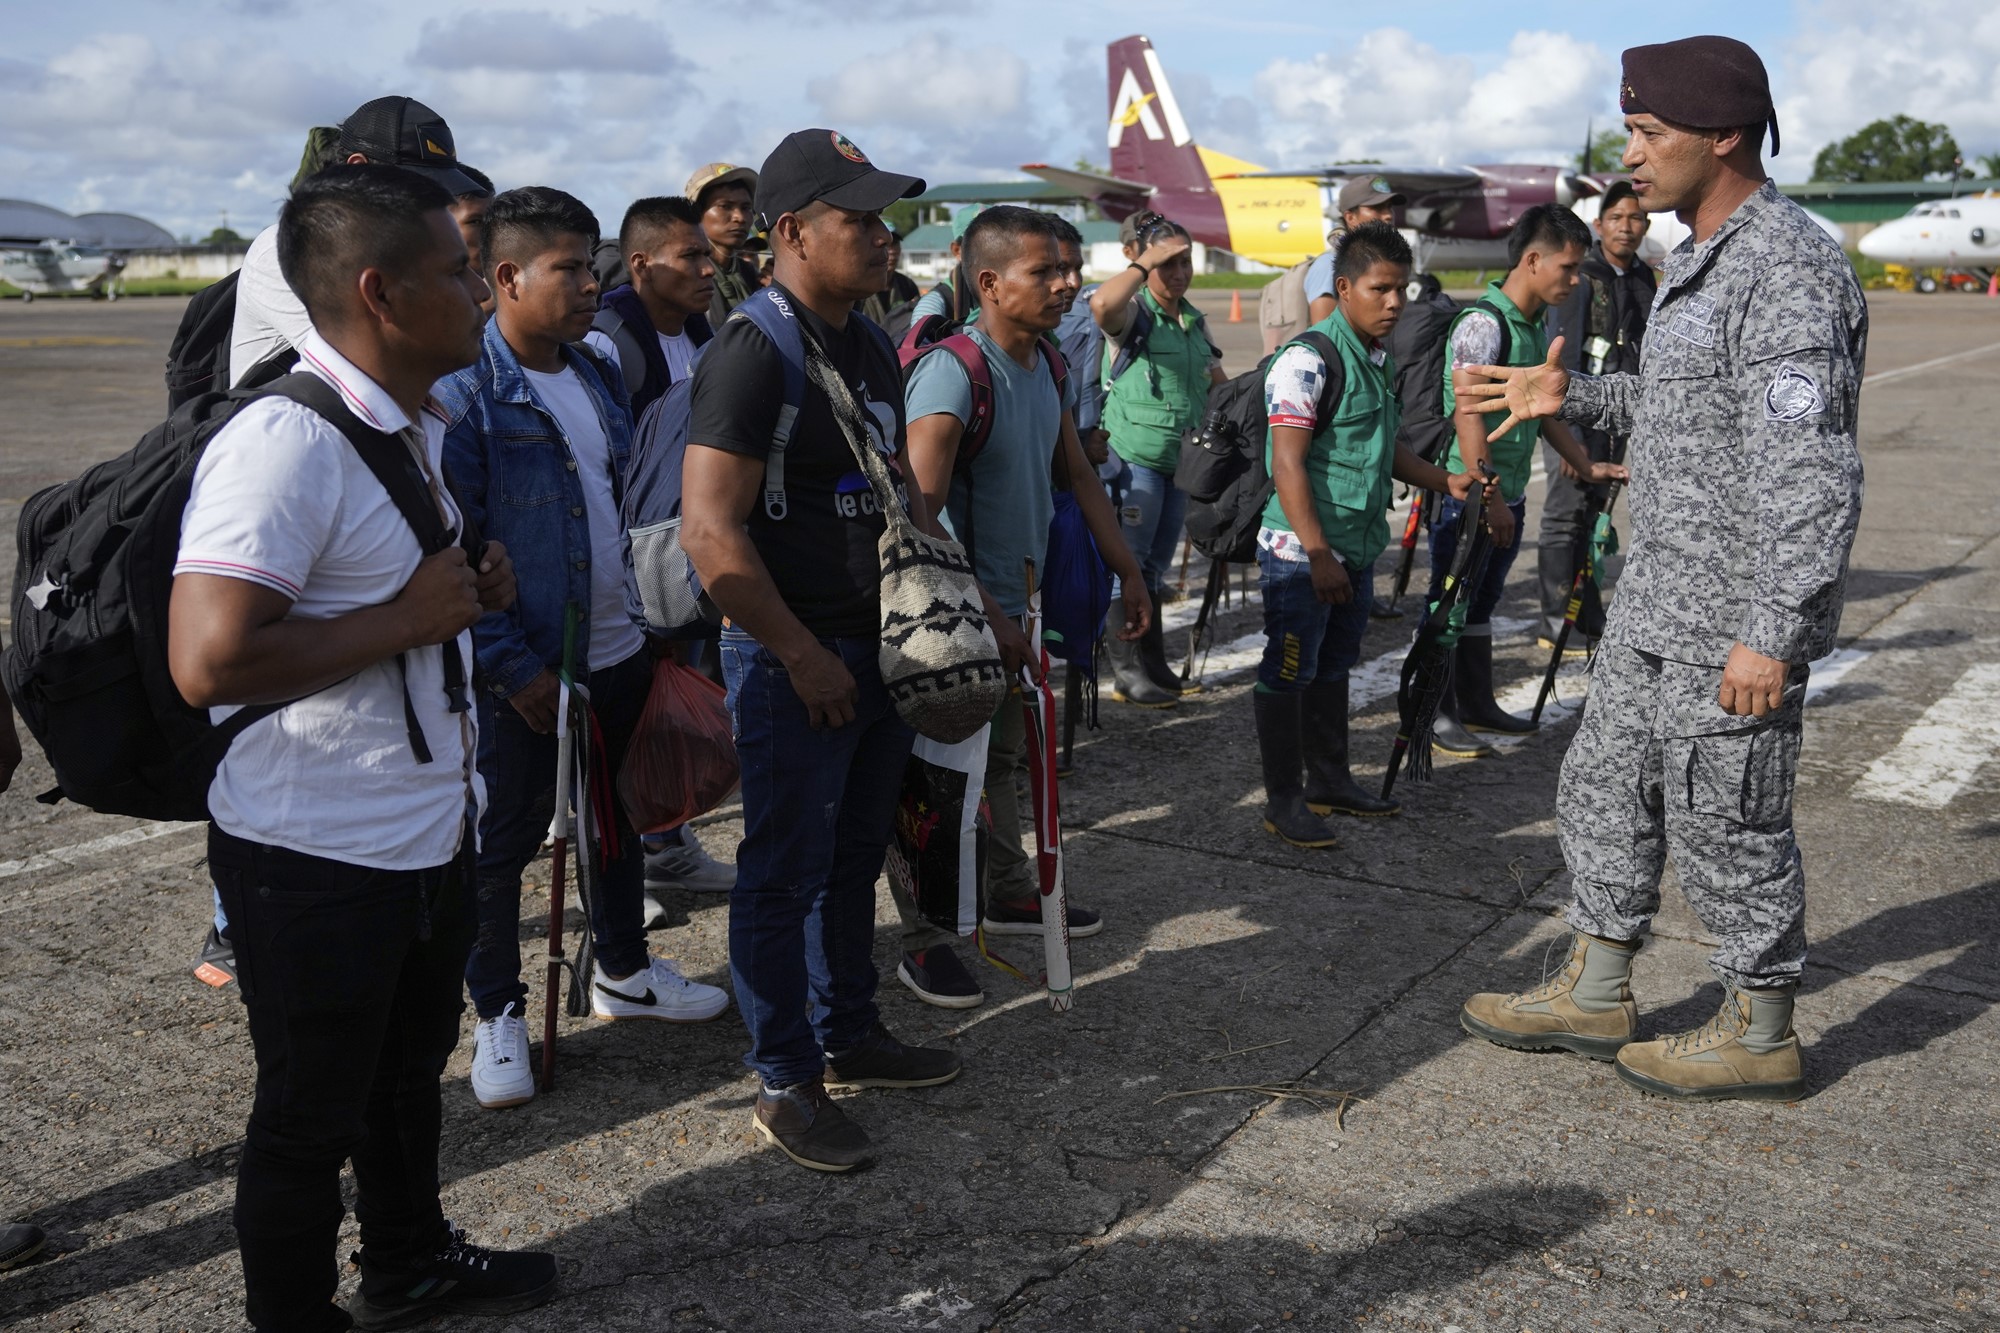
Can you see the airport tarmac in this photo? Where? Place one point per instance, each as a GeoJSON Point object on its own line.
{"type": "Point", "coordinates": [1125, 1166]}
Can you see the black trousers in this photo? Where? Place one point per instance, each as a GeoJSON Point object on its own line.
{"type": "Point", "coordinates": [1568, 514]}
{"type": "Point", "coordinates": [352, 979]}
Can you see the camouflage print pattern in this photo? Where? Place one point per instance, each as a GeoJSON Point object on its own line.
{"type": "Point", "coordinates": [1658, 768]}
{"type": "Point", "coordinates": [1745, 495]}
{"type": "Point", "coordinates": [1746, 478]}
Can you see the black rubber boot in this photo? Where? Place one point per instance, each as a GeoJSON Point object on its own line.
{"type": "Point", "coordinates": [1472, 675]}
{"type": "Point", "coordinates": [1153, 654]}
{"type": "Point", "coordinates": [1280, 728]}
{"type": "Point", "coordinates": [1330, 785]}
{"type": "Point", "coordinates": [1129, 682]}
{"type": "Point", "coordinates": [1448, 737]}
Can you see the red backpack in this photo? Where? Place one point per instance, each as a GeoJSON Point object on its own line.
{"type": "Point", "coordinates": [934, 333]}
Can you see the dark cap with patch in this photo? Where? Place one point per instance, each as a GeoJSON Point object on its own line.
{"type": "Point", "coordinates": [1704, 83]}
{"type": "Point", "coordinates": [811, 165]}
{"type": "Point", "coordinates": [403, 132]}
{"type": "Point", "coordinates": [1369, 192]}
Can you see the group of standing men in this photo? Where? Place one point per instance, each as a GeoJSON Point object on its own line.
{"type": "Point", "coordinates": [368, 838]}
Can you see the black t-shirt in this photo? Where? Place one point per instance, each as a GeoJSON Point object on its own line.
{"type": "Point", "coordinates": [822, 554]}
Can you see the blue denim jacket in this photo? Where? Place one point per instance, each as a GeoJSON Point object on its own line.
{"type": "Point", "coordinates": [511, 469]}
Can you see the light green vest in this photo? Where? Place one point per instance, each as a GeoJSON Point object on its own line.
{"type": "Point", "coordinates": [1163, 393]}
{"type": "Point", "coordinates": [1353, 456]}
{"type": "Point", "coordinates": [1513, 454]}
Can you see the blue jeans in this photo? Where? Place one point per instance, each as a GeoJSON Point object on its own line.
{"type": "Point", "coordinates": [1444, 544]}
{"type": "Point", "coordinates": [1304, 638]}
{"type": "Point", "coordinates": [819, 807]}
{"type": "Point", "coordinates": [519, 766]}
{"type": "Point", "coordinates": [1151, 511]}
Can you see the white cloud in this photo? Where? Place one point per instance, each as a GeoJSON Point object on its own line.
{"type": "Point", "coordinates": [536, 40]}
{"type": "Point", "coordinates": [1395, 97]}
{"type": "Point", "coordinates": [928, 80]}
{"type": "Point", "coordinates": [1852, 63]}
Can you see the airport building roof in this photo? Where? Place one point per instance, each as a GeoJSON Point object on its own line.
{"type": "Point", "coordinates": [1876, 201]}
{"type": "Point", "coordinates": [23, 221]}
{"type": "Point", "coordinates": [995, 192]}
{"type": "Point", "coordinates": [937, 236]}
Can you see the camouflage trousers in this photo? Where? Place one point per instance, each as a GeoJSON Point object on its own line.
{"type": "Point", "coordinates": [1658, 769]}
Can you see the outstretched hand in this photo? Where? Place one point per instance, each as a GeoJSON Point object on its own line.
{"type": "Point", "coordinates": [1527, 393]}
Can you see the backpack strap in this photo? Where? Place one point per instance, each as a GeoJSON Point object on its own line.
{"type": "Point", "coordinates": [1333, 384]}
{"type": "Point", "coordinates": [769, 311]}
{"type": "Point", "coordinates": [1500, 318]}
{"type": "Point", "coordinates": [395, 467]}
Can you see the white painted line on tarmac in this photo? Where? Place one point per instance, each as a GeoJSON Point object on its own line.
{"type": "Point", "coordinates": [1375, 679]}
{"type": "Point", "coordinates": [68, 856]}
{"type": "Point", "coordinates": [1939, 756]}
{"type": "Point", "coordinates": [1830, 670]}
{"type": "Point", "coordinates": [1884, 376]}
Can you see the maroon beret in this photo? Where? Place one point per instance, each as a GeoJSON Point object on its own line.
{"type": "Point", "coordinates": [1704, 83]}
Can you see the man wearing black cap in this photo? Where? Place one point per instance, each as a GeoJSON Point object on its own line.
{"type": "Point", "coordinates": [821, 745]}
{"type": "Point", "coordinates": [1746, 491]}
{"type": "Point", "coordinates": [395, 131]}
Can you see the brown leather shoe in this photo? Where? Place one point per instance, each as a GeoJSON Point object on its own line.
{"type": "Point", "coordinates": [1586, 1007]}
{"type": "Point", "coordinates": [1748, 1051]}
{"type": "Point", "coordinates": [811, 1129]}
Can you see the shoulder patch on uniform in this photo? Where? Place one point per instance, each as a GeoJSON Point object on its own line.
{"type": "Point", "coordinates": [1793, 395]}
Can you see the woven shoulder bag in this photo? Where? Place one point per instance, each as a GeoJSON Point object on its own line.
{"type": "Point", "coordinates": [938, 656]}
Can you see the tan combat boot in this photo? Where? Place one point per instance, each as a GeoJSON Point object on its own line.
{"type": "Point", "coordinates": [1585, 1007]}
{"type": "Point", "coordinates": [1748, 1050]}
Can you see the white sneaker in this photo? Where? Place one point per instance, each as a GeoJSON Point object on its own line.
{"type": "Point", "coordinates": [682, 863]}
{"type": "Point", "coordinates": [501, 1074]}
{"type": "Point", "coordinates": [656, 915]}
{"type": "Point", "coordinates": [658, 992]}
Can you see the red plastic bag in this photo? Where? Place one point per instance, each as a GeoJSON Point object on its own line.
{"type": "Point", "coordinates": [682, 760]}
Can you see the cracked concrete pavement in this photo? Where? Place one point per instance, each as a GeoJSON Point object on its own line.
{"type": "Point", "coordinates": [1062, 1183]}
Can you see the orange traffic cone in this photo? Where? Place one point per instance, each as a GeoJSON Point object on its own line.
{"type": "Point", "coordinates": [1235, 305]}
{"type": "Point", "coordinates": [1993, 285]}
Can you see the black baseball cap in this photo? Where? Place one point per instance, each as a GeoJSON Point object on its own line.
{"type": "Point", "coordinates": [403, 132]}
{"type": "Point", "coordinates": [824, 164]}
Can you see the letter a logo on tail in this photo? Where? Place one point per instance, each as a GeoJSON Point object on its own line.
{"type": "Point", "coordinates": [1148, 138]}
{"type": "Point", "coordinates": [1131, 107]}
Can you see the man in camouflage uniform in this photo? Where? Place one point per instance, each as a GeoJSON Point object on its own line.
{"type": "Point", "coordinates": [1746, 490]}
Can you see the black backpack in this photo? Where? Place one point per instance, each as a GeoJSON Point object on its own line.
{"type": "Point", "coordinates": [607, 265]}
{"type": "Point", "coordinates": [1223, 466]}
{"type": "Point", "coordinates": [87, 667]}
{"type": "Point", "coordinates": [1417, 346]}
{"type": "Point", "coordinates": [198, 357]}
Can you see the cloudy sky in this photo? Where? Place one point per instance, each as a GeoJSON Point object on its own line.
{"type": "Point", "coordinates": [186, 110]}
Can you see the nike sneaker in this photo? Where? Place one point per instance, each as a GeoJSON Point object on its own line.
{"type": "Point", "coordinates": [657, 991]}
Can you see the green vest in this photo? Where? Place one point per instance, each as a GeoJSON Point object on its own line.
{"type": "Point", "coordinates": [1352, 457]}
{"type": "Point", "coordinates": [1161, 395]}
{"type": "Point", "coordinates": [1513, 454]}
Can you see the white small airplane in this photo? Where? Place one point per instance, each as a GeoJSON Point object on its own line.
{"type": "Point", "coordinates": [1961, 233]}
{"type": "Point", "coordinates": [57, 266]}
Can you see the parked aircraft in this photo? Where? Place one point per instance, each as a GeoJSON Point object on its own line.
{"type": "Point", "coordinates": [1961, 233]}
{"type": "Point", "coordinates": [56, 266]}
{"type": "Point", "coordinates": [1460, 214]}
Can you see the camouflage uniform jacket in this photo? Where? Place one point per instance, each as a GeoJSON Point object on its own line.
{"type": "Point", "coordinates": [1746, 477]}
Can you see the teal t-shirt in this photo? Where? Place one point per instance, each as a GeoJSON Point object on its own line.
{"type": "Point", "coordinates": [931, 302]}
{"type": "Point", "coordinates": [1002, 505]}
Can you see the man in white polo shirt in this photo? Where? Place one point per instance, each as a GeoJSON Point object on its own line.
{"type": "Point", "coordinates": [340, 821]}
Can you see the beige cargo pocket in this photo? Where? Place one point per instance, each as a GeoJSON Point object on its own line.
{"type": "Point", "coordinates": [1745, 777]}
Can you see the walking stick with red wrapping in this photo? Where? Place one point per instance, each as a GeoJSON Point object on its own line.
{"type": "Point", "coordinates": [1420, 504]}
{"type": "Point", "coordinates": [1038, 704]}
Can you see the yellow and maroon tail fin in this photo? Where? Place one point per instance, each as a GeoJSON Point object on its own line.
{"type": "Point", "coordinates": [1149, 139]}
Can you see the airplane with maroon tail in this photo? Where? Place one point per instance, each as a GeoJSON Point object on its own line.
{"type": "Point", "coordinates": [1460, 215]}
